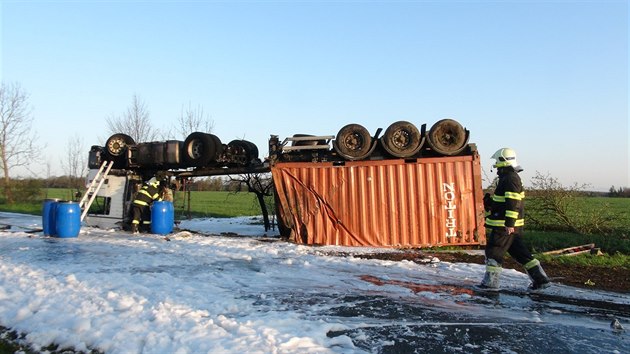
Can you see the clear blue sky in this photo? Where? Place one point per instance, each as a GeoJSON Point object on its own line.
{"type": "Point", "coordinates": [549, 79]}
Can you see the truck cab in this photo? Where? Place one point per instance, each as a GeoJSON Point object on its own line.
{"type": "Point", "coordinates": [110, 208]}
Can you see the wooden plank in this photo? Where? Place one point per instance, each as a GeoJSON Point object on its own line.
{"type": "Point", "coordinates": [570, 250]}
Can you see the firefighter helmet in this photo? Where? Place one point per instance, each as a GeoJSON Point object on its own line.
{"type": "Point", "coordinates": [506, 157]}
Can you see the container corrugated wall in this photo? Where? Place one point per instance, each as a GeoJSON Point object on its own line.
{"type": "Point", "coordinates": [389, 203]}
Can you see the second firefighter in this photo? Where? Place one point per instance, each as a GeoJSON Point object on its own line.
{"type": "Point", "coordinates": [141, 206]}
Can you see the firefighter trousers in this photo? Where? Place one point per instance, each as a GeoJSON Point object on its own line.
{"type": "Point", "coordinates": [500, 242]}
{"type": "Point", "coordinates": [141, 215]}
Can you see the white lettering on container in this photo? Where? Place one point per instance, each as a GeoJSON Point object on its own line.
{"type": "Point", "coordinates": [451, 221]}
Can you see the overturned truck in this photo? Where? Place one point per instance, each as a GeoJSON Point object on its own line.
{"type": "Point", "coordinates": [409, 187]}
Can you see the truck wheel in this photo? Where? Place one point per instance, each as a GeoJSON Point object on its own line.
{"type": "Point", "coordinates": [218, 145]}
{"type": "Point", "coordinates": [447, 137]}
{"type": "Point", "coordinates": [116, 149]}
{"type": "Point", "coordinates": [252, 150]}
{"type": "Point", "coordinates": [353, 142]}
{"type": "Point", "coordinates": [117, 144]}
{"type": "Point", "coordinates": [199, 149]}
{"type": "Point", "coordinates": [238, 153]}
{"type": "Point", "coordinates": [402, 139]}
{"type": "Point", "coordinates": [243, 152]}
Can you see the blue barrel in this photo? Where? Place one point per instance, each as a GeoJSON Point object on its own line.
{"type": "Point", "coordinates": [68, 219]}
{"type": "Point", "coordinates": [162, 217]}
{"type": "Point", "coordinates": [49, 216]}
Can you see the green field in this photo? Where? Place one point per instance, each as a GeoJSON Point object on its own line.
{"type": "Point", "coordinates": [217, 204]}
{"type": "Point", "coordinates": [609, 213]}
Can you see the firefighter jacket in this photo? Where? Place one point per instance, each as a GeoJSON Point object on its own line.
{"type": "Point", "coordinates": [147, 194]}
{"type": "Point", "coordinates": [506, 208]}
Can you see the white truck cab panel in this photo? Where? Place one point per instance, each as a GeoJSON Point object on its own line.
{"type": "Point", "coordinates": [111, 205]}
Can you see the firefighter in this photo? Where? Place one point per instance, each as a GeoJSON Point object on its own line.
{"type": "Point", "coordinates": [504, 217]}
{"type": "Point", "coordinates": [141, 208]}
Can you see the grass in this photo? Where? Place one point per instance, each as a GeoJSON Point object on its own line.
{"type": "Point", "coordinates": [217, 204]}
{"type": "Point", "coordinates": [613, 261]}
{"type": "Point", "coordinates": [22, 208]}
{"type": "Point", "coordinates": [60, 193]}
{"type": "Point", "coordinates": [616, 248]}
{"type": "Point", "coordinates": [542, 241]}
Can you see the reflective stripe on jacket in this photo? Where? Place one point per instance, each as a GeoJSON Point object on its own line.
{"type": "Point", "coordinates": [146, 195]}
{"type": "Point", "coordinates": [507, 202]}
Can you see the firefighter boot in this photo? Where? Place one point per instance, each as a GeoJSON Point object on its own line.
{"type": "Point", "coordinates": [490, 280]}
{"type": "Point", "coordinates": [134, 228]}
{"type": "Point", "coordinates": [537, 275]}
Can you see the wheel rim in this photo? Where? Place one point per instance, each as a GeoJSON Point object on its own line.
{"type": "Point", "coordinates": [195, 149]}
{"type": "Point", "coordinates": [353, 142]}
{"type": "Point", "coordinates": [447, 137]}
{"type": "Point", "coordinates": [401, 139]}
{"type": "Point", "coordinates": [116, 146]}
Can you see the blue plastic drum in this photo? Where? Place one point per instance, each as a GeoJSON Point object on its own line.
{"type": "Point", "coordinates": [162, 217]}
{"type": "Point", "coordinates": [49, 216]}
{"type": "Point", "coordinates": [68, 219]}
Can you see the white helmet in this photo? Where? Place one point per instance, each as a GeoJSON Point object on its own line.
{"type": "Point", "coordinates": [506, 157]}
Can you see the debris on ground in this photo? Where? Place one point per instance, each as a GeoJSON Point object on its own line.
{"type": "Point", "coordinates": [575, 250]}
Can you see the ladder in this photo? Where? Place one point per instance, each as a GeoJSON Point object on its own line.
{"type": "Point", "coordinates": [94, 187]}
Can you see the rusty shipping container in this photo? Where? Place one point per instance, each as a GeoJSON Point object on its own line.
{"type": "Point", "coordinates": [422, 202]}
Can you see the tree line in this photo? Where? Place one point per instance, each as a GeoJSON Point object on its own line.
{"type": "Point", "coordinates": [621, 192]}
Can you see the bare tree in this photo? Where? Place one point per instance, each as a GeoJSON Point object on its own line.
{"type": "Point", "coordinates": [75, 164]}
{"type": "Point", "coordinates": [193, 119]}
{"type": "Point", "coordinates": [17, 139]}
{"type": "Point", "coordinates": [262, 186]}
{"type": "Point", "coordinates": [135, 122]}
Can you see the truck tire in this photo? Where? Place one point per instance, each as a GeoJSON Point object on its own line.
{"type": "Point", "coordinates": [252, 150]}
{"type": "Point", "coordinates": [199, 149]}
{"type": "Point", "coordinates": [238, 154]}
{"type": "Point", "coordinates": [353, 142]}
{"type": "Point", "coordinates": [243, 152]}
{"type": "Point", "coordinates": [402, 139]}
{"type": "Point", "coordinates": [116, 149]}
{"type": "Point", "coordinates": [447, 137]}
{"type": "Point", "coordinates": [218, 145]}
{"type": "Point", "coordinates": [117, 144]}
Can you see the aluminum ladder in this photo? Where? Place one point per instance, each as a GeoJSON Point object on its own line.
{"type": "Point", "coordinates": [94, 187]}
